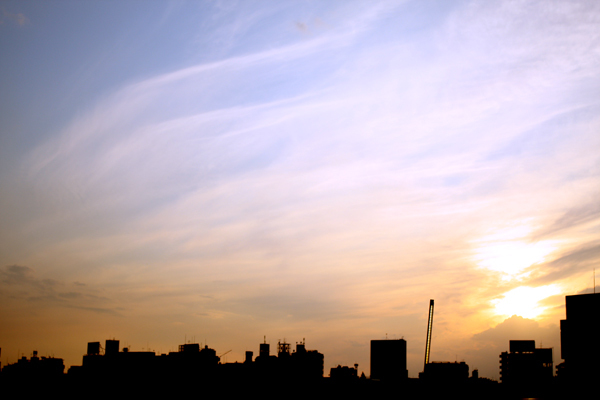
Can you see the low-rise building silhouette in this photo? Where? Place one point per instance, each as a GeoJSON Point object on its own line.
{"type": "Point", "coordinates": [446, 372]}
{"type": "Point", "coordinates": [35, 368]}
{"type": "Point", "coordinates": [344, 373]}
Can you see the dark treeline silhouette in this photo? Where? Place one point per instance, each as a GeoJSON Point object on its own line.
{"type": "Point", "coordinates": [525, 371]}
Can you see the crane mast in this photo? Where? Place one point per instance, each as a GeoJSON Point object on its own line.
{"type": "Point", "coordinates": [429, 328]}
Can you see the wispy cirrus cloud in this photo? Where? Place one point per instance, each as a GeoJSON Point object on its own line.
{"type": "Point", "coordinates": [20, 283]}
{"type": "Point", "coordinates": [326, 179]}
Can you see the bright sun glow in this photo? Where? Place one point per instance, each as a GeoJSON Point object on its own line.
{"type": "Point", "coordinates": [512, 257]}
{"type": "Point", "coordinates": [507, 253]}
{"type": "Point", "coordinates": [524, 301]}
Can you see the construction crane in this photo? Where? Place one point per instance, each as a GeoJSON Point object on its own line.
{"type": "Point", "coordinates": [429, 329]}
{"type": "Point", "coordinates": [224, 353]}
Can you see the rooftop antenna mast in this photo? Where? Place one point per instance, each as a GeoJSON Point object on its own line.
{"type": "Point", "coordinates": [429, 328]}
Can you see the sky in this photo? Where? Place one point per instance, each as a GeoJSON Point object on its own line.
{"type": "Point", "coordinates": [222, 171]}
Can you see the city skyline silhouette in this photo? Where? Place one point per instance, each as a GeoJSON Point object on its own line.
{"type": "Point", "coordinates": [525, 370]}
{"type": "Point", "coordinates": [218, 171]}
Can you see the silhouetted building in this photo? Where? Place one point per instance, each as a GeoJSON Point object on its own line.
{"type": "Point", "coordinates": [344, 373]}
{"type": "Point", "coordinates": [112, 347]}
{"type": "Point", "coordinates": [445, 371]}
{"type": "Point", "coordinates": [189, 348]}
{"type": "Point", "coordinates": [302, 364]}
{"type": "Point", "coordinates": [93, 348]}
{"type": "Point", "coordinates": [526, 366]}
{"type": "Point", "coordinates": [190, 362]}
{"type": "Point", "coordinates": [308, 364]}
{"type": "Point", "coordinates": [388, 359]}
{"type": "Point", "coordinates": [191, 359]}
{"type": "Point", "coordinates": [579, 334]}
{"type": "Point", "coordinates": [35, 368]}
{"type": "Point", "coordinates": [264, 349]}
{"type": "Point", "coordinates": [283, 349]}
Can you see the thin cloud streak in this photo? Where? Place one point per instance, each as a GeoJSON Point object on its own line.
{"type": "Point", "coordinates": [320, 182]}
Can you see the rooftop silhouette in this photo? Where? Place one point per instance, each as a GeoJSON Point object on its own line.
{"type": "Point", "coordinates": [524, 369]}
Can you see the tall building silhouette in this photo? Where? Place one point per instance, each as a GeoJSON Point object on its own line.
{"type": "Point", "coordinates": [579, 334]}
{"type": "Point", "coordinates": [524, 365]}
{"type": "Point", "coordinates": [388, 359]}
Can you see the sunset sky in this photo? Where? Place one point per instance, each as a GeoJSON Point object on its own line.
{"type": "Point", "coordinates": [217, 171]}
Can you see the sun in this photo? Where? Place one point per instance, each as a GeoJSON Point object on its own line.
{"type": "Point", "coordinates": [524, 301]}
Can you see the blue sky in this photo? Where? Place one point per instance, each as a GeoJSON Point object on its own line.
{"type": "Point", "coordinates": [226, 170]}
